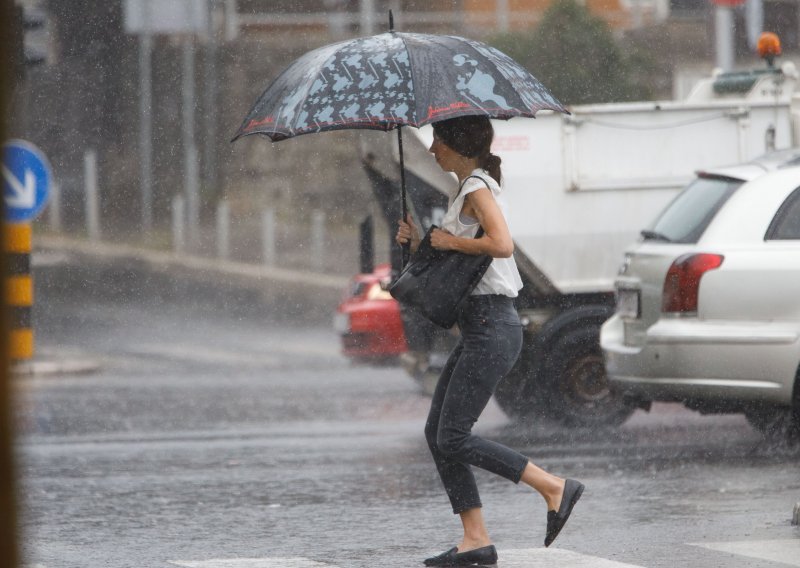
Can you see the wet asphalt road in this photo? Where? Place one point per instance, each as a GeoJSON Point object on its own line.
{"type": "Point", "coordinates": [215, 432]}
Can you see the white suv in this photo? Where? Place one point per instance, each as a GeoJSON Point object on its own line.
{"type": "Point", "coordinates": [708, 301]}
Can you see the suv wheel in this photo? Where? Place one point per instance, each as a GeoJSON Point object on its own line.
{"type": "Point", "coordinates": [776, 423]}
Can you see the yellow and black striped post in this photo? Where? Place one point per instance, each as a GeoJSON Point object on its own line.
{"type": "Point", "coordinates": [17, 242]}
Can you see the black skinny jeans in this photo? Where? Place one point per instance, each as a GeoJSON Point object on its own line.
{"type": "Point", "coordinates": [491, 340]}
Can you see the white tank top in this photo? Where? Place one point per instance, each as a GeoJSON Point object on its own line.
{"type": "Point", "coordinates": [502, 277]}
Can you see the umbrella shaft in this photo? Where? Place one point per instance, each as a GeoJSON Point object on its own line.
{"type": "Point", "coordinates": [403, 203]}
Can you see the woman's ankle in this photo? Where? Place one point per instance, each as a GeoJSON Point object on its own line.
{"type": "Point", "coordinates": [472, 543]}
{"type": "Point", "coordinates": [555, 495]}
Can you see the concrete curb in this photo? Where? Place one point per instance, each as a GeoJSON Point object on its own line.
{"type": "Point", "coordinates": [41, 368]}
{"type": "Point", "coordinates": [292, 293]}
{"type": "Point", "coordinates": [162, 259]}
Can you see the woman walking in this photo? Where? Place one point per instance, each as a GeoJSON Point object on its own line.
{"type": "Point", "coordinates": [491, 340]}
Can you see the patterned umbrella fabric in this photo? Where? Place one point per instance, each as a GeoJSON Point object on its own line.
{"type": "Point", "coordinates": [394, 79]}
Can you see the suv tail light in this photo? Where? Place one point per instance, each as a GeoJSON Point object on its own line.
{"type": "Point", "coordinates": [682, 284]}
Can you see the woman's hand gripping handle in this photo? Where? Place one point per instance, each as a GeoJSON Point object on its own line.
{"type": "Point", "coordinates": [407, 234]}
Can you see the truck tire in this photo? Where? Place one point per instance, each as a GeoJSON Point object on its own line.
{"type": "Point", "coordinates": [579, 389]}
{"type": "Point", "coordinates": [518, 396]}
{"type": "Point", "coordinates": [561, 375]}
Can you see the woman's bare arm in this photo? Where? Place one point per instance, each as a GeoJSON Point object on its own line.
{"type": "Point", "coordinates": [496, 240]}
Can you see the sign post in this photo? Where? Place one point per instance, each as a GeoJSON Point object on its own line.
{"type": "Point", "coordinates": [26, 177]}
{"type": "Point", "coordinates": [148, 18]}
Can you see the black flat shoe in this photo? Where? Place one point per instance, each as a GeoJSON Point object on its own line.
{"type": "Point", "coordinates": [557, 519]}
{"type": "Point", "coordinates": [485, 556]}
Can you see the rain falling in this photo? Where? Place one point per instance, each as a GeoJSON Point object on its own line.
{"type": "Point", "coordinates": [290, 282]}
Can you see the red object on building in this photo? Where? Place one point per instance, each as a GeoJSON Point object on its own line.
{"type": "Point", "coordinates": [368, 319]}
{"type": "Point", "coordinates": [727, 3]}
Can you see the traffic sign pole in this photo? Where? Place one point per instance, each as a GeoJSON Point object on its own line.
{"type": "Point", "coordinates": [26, 184]}
{"type": "Point", "coordinates": [17, 243]}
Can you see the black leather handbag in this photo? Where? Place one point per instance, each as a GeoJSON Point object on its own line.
{"type": "Point", "coordinates": [435, 282]}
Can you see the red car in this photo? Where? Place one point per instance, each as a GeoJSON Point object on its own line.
{"type": "Point", "coordinates": [368, 319]}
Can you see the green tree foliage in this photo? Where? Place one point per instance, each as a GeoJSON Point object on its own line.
{"type": "Point", "coordinates": [575, 55]}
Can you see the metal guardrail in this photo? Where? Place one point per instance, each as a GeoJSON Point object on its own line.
{"type": "Point", "coordinates": [488, 20]}
{"type": "Point", "coordinates": [325, 19]}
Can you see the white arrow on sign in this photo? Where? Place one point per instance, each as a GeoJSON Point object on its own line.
{"type": "Point", "coordinates": [22, 196]}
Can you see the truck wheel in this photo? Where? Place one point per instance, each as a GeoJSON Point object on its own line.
{"type": "Point", "coordinates": [579, 391]}
{"type": "Point", "coordinates": [518, 395]}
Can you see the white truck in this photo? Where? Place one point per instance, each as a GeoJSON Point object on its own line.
{"type": "Point", "coordinates": [577, 190]}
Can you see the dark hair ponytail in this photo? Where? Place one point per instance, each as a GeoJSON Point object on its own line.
{"type": "Point", "coordinates": [492, 165]}
{"type": "Point", "coordinates": [471, 136]}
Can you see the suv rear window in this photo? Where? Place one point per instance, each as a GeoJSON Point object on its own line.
{"type": "Point", "coordinates": [685, 219]}
{"type": "Point", "coordinates": [786, 224]}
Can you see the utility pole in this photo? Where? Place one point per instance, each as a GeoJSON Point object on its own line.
{"type": "Point", "coordinates": [190, 156]}
{"type": "Point", "coordinates": [367, 17]}
{"type": "Point", "coordinates": [754, 17]}
{"type": "Point", "coordinates": [723, 22]}
{"type": "Point", "coordinates": [146, 128]}
{"type": "Point", "coordinates": [231, 20]}
{"type": "Point", "coordinates": [503, 21]}
{"type": "Point", "coordinates": [210, 170]}
{"type": "Point", "coordinates": [723, 30]}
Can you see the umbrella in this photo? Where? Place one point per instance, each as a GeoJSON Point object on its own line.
{"type": "Point", "coordinates": [394, 79]}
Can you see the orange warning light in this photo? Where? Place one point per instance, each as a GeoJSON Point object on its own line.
{"type": "Point", "coordinates": [769, 46]}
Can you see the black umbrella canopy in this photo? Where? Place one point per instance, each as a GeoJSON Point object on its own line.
{"type": "Point", "coordinates": [394, 79]}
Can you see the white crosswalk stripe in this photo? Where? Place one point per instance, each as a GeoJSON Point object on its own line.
{"type": "Point", "coordinates": [781, 551]}
{"type": "Point", "coordinates": [556, 558]}
{"type": "Point", "coordinates": [252, 563]}
{"type": "Point", "coordinates": [519, 558]}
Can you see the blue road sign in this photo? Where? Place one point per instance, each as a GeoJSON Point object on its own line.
{"type": "Point", "coordinates": [26, 180]}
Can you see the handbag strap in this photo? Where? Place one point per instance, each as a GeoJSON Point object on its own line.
{"type": "Point", "coordinates": [460, 187]}
{"type": "Point", "coordinates": [479, 234]}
